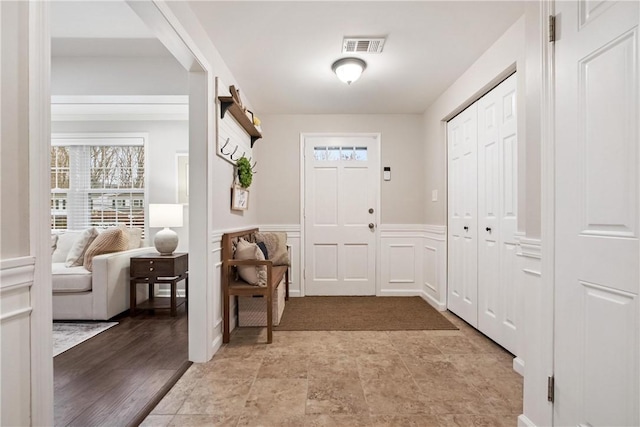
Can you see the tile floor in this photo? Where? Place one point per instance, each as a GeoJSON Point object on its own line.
{"type": "Point", "coordinates": [403, 378]}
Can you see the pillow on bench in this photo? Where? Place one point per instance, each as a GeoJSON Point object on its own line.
{"type": "Point", "coordinates": [276, 244]}
{"type": "Point", "coordinates": [252, 274]}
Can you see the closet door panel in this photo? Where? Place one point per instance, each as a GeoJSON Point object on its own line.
{"type": "Point", "coordinates": [511, 293]}
{"type": "Point", "coordinates": [498, 294]}
{"type": "Point", "coordinates": [462, 224]}
{"type": "Point", "coordinates": [490, 304]}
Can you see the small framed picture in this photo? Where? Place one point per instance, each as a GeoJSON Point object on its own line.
{"type": "Point", "coordinates": [239, 198]}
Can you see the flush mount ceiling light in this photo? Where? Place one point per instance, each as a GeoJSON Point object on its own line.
{"type": "Point", "coordinates": [349, 69]}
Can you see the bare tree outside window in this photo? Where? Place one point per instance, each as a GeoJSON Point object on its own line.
{"type": "Point", "coordinates": [113, 186]}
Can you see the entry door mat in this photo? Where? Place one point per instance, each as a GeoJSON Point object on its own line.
{"type": "Point", "coordinates": [361, 314]}
{"type": "Point", "coordinates": [67, 335]}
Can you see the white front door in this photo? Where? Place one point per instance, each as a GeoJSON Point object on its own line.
{"type": "Point", "coordinates": [497, 214]}
{"type": "Point", "coordinates": [462, 137]}
{"type": "Point", "coordinates": [597, 273]}
{"type": "Point", "coordinates": [340, 214]}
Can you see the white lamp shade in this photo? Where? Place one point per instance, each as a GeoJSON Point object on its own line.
{"type": "Point", "coordinates": [349, 69]}
{"type": "Point", "coordinates": [165, 215]}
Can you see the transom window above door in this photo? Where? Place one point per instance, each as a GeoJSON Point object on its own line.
{"type": "Point", "coordinates": [334, 154]}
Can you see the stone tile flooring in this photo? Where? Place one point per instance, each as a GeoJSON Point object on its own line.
{"type": "Point", "coordinates": [403, 378]}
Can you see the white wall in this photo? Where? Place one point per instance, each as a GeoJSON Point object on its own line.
{"type": "Point", "coordinates": [506, 55]}
{"type": "Point", "coordinates": [14, 147]}
{"type": "Point", "coordinates": [278, 178]}
{"type": "Point", "coordinates": [114, 75]}
{"type": "Point", "coordinates": [166, 138]}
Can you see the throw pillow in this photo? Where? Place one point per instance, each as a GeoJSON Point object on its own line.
{"type": "Point", "coordinates": [264, 250]}
{"type": "Point", "coordinates": [75, 257]}
{"type": "Point", "coordinates": [253, 275]}
{"type": "Point", "coordinates": [65, 241]}
{"type": "Point", "coordinates": [110, 240]}
{"type": "Point", "coordinates": [135, 237]}
{"type": "Point", "coordinates": [276, 244]}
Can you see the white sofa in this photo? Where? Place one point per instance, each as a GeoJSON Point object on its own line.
{"type": "Point", "coordinates": [79, 294]}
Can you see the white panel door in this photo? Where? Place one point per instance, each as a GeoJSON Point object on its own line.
{"type": "Point", "coordinates": [497, 213]}
{"type": "Point", "coordinates": [462, 224]}
{"type": "Point", "coordinates": [597, 330]}
{"type": "Point", "coordinates": [341, 192]}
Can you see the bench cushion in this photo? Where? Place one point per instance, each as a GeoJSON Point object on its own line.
{"type": "Point", "coordinates": [277, 273]}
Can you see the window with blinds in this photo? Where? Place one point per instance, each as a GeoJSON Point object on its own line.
{"type": "Point", "coordinates": [97, 182]}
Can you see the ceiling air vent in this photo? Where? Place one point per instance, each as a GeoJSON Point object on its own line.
{"type": "Point", "coordinates": [362, 45]}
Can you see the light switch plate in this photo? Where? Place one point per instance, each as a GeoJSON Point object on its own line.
{"type": "Point", "coordinates": [434, 195]}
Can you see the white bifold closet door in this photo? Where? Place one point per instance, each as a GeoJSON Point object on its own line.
{"type": "Point", "coordinates": [463, 207]}
{"type": "Point", "coordinates": [497, 214]}
{"type": "Point", "coordinates": [483, 203]}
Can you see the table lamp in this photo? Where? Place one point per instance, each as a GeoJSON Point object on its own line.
{"type": "Point", "coordinates": [165, 215]}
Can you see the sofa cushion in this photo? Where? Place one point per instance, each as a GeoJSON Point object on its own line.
{"type": "Point", "coordinates": [65, 241]}
{"type": "Point", "coordinates": [110, 240]}
{"type": "Point", "coordinates": [75, 257]}
{"type": "Point", "coordinates": [253, 275]}
{"type": "Point", "coordinates": [70, 279]}
{"type": "Point", "coordinates": [276, 247]}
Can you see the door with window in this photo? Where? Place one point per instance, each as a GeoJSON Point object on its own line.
{"type": "Point", "coordinates": [341, 187]}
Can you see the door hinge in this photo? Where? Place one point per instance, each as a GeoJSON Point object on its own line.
{"type": "Point", "coordinates": [550, 389]}
{"type": "Point", "coordinates": [552, 28]}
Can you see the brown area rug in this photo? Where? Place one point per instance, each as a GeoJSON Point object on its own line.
{"type": "Point", "coordinates": [361, 314]}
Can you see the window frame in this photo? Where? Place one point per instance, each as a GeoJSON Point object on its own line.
{"type": "Point", "coordinates": [108, 139]}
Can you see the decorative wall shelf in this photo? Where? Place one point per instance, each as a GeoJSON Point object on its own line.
{"type": "Point", "coordinates": [227, 103]}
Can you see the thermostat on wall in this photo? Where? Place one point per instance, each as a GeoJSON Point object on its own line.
{"type": "Point", "coordinates": [387, 173]}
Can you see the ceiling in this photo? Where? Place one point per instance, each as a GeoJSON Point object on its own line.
{"type": "Point", "coordinates": [280, 53]}
{"type": "Point", "coordinates": [100, 28]}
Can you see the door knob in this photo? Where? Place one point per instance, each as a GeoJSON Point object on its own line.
{"type": "Point", "coordinates": [488, 229]}
{"type": "Point", "coordinates": [371, 225]}
{"type": "Point", "coordinates": [370, 210]}
{"type": "Point", "coordinates": [466, 228]}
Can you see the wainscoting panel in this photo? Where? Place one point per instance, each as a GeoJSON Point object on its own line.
{"type": "Point", "coordinates": [399, 260]}
{"type": "Point", "coordinates": [412, 261]}
{"type": "Point", "coordinates": [537, 321]}
{"type": "Point", "coordinates": [16, 280]}
{"type": "Point", "coordinates": [434, 266]}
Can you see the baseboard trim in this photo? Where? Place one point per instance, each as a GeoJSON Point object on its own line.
{"type": "Point", "coordinates": [523, 421]}
{"type": "Point", "coordinates": [216, 344]}
{"type": "Point", "coordinates": [398, 293]}
{"type": "Point", "coordinates": [518, 365]}
{"type": "Point", "coordinates": [440, 306]}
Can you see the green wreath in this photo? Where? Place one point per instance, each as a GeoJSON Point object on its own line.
{"type": "Point", "coordinates": [245, 174]}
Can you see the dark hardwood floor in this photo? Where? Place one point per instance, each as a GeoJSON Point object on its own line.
{"type": "Point", "coordinates": [117, 377]}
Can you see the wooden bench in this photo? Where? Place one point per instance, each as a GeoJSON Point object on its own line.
{"type": "Point", "coordinates": [237, 287]}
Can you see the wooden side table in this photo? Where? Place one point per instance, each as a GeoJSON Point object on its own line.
{"type": "Point", "coordinates": [155, 268]}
